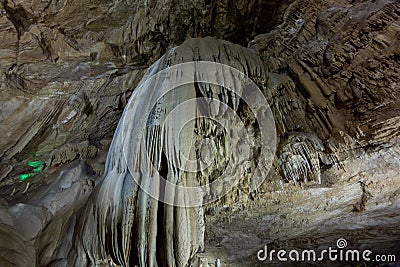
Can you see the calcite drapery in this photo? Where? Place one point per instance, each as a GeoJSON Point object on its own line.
{"type": "Point", "coordinates": [299, 158]}
{"type": "Point", "coordinates": [125, 224]}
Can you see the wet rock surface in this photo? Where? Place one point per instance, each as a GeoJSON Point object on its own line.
{"type": "Point", "coordinates": [331, 76]}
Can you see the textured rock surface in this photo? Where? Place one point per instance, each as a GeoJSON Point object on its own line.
{"type": "Point", "coordinates": [335, 73]}
{"type": "Point", "coordinates": [22, 224]}
{"type": "Point", "coordinates": [344, 60]}
{"type": "Point", "coordinates": [68, 68]}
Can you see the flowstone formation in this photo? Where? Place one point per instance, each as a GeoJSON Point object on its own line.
{"type": "Point", "coordinates": [125, 221]}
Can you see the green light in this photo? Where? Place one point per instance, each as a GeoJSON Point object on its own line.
{"type": "Point", "coordinates": [34, 164]}
{"type": "Point", "coordinates": [25, 176]}
{"type": "Point", "coordinates": [37, 168]}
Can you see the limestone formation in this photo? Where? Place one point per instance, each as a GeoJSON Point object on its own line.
{"type": "Point", "coordinates": [68, 69]}
{"type": "Point", "coordinates": [299, 158]}
{"type": "Point", "coordinates": [122, 224]}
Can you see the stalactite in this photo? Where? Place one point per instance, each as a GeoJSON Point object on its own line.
{"type": "Point", "coordinates": [299, 158]}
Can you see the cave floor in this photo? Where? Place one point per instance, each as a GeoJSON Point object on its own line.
{"type": "Point", "coordinates": [363, 208]}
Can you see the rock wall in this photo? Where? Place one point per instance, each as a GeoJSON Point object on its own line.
{"type": "Point", "coordinates": [344, 61]}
